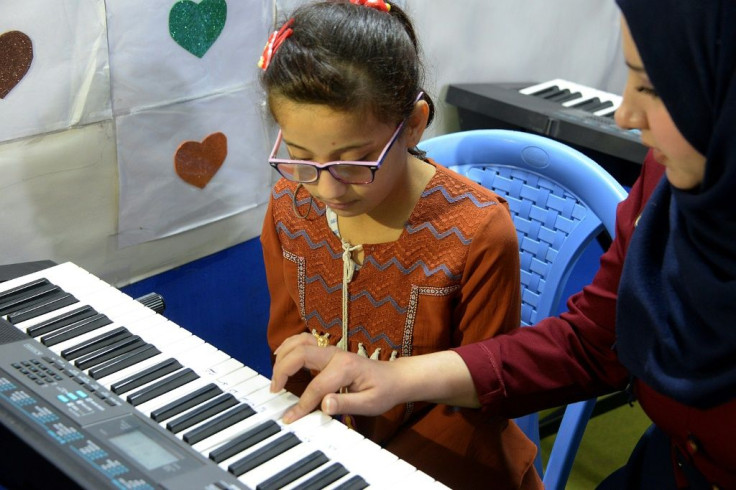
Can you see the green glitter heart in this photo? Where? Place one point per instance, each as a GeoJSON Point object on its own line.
{"type": "Point", "coordinates": [195, 27]}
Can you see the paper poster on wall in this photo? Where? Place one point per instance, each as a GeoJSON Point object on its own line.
{"type": "Point", "coordinates": [58, 196]}
{"type": "Point", "coordinates": [175, 50]}
{"type": "Point", "coordinates": [189, 122]}
{"type": "Point", "coordinates": [191, 163]}
{"type": "Point", "coordinates": [54, 71]}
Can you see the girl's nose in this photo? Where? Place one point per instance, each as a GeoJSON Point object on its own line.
{"type": "Point", "coordinates": [328, 187]}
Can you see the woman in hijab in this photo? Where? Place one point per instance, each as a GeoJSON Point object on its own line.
{"type": "Point", "coordinates": [659, 318]}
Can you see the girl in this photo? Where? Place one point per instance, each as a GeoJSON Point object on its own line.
{"type": "Point", "coordinates": [371, 247]}
{"type": "Point", "coordinates": [659, 315]}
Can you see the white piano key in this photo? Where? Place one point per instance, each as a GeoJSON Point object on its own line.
{"type": "Point", "coordinates": [275, 406]}
{"type": "Point", "coordinates": [204, 357]}
{"type": "Point", "coordinates": [587, 93]}
{"type": "Point", "coordinates": [157, 330]}
{"type": "Point", "coordinates": [263, 396]}
{"type": "Point", "coordinates": [224, 368]}
{"type": "Point", "coordinates": [310, 423]}
{"type": "Point", "coordinates": [247, 386]}
{"type": "Point", "coordinates": [236, 378]}
{"type": "Point", "coordinates": [275, 465]}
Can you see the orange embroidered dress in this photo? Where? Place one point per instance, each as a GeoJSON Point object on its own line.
{"type": "Point", "coordinates": [452, 278]}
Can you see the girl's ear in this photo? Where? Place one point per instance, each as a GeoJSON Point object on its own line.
{"type": "Point", "coordinates": [417, 123]}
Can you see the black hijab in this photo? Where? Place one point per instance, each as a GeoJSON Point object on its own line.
{"type": "Point", "coordinates": [676, 318]}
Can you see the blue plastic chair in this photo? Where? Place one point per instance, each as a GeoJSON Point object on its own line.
{"type": "Point", "coordinates": [560, 201]}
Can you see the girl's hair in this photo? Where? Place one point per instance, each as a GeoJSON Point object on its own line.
{"type": "Point", "coordinates": [349, 57]}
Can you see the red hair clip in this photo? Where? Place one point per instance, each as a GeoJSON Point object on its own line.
{"type": "Point", "coordinates": [273, 43]}
{"type": "Point", "coordinates": [374, 4]}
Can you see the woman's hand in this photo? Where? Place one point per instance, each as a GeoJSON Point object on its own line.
{"type": "Point", "coordinates": [373, 387]}
{"type": "Point", "coordinates": [369, 383]}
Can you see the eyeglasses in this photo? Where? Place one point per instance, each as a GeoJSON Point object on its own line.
{"type": "Point", "coordinates": [345, 171]}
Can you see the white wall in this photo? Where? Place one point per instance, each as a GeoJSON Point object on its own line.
{"type": "Point", "coordinates": [59, 200]}
{"type": "Point", "coordinates": [513, 41]}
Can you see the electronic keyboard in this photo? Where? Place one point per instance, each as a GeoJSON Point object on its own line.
{"type": "Point", "coordinates": [575, 114]}
{"type": "Point", "coordinates": [98, 390]}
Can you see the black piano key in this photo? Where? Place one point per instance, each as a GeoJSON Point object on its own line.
{"type": "Point", "coordinates": [294, 471]}
{"type": "Point", "coordinates": [266, 453]}
{"type": "Point", "coordinates": [586, 104]}
{"type": "Point", "coordinates": [186, 402]}
{"type": "Point", "coordinates": [61, 321]}
{"type": "Point", "coordinates": [223, 421]}
{"type": "Point", "coordinates": [354, 483]}
{"type": "Point", "coordinates": [546, 92]}
{"type": "Point", "coordinates": [245, 440]}
{"type": "Point", "coordinates": [111, 351]}
{"type": "Point", "coordinates": [325, 477]}
{"type": "Point", "coordinates": [158, 388]}
{"type": "Point", "coordinates": [22, 290]}
{"type": "Point", "coordinates": [119, 363]}
{"type": "Point", "coordinates": [603, 105]}
{"type": "Point", "coordinates": [52, 304]}
{"type": "Point", "coordinates": [75, 329]}
{"type": "Point", "coordinates": [33, 297]}
{"type": "Point", "coordinates": [569, 97]}
{"type": "Point", "coordinates": [71, 353]}
{"type": "Point", "coordinates": [558, 95]}
{"type": "Point", "coordinates": [146, 376]}
{"type": "Point", "coordinates": [596, 107]}
{"type": "Point", "coordinates": [201, 413]}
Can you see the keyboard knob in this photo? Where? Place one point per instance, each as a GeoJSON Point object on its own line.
{"type": "Point", "coordinates": [154, 301]}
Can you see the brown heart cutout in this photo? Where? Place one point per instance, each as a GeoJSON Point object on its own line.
{"type": "Point", "coordinates": [196, 163]}
{"type": "Point", "coordinates": [16, 54]}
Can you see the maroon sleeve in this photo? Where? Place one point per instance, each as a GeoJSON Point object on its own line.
{"type": "Point", "coordinates": [567, 358]}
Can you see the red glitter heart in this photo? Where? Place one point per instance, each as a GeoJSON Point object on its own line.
{"type": "Point", "coordinates": [16, 54]}
{"type": "Point", "coordinates": [196, 163]}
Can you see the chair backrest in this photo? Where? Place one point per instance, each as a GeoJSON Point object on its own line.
{"type": "Point", "coordinates": [560, 201]}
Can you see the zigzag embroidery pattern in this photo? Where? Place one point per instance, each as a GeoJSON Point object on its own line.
{"type": "Point", "coordinates": [392, 262]}
{"type": "Point", "coordinates": [429, 226]}
{"type": "Point", "coordinates": [459, 197]}
{"type": "Point", "coordinates": [300, 202]}
{"type": "Point", "coordinates": [303, 234]}
{"type": "Point", "coordinates": [373, 301]}
{"type": "Point", "coordinates": [408, 270]}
